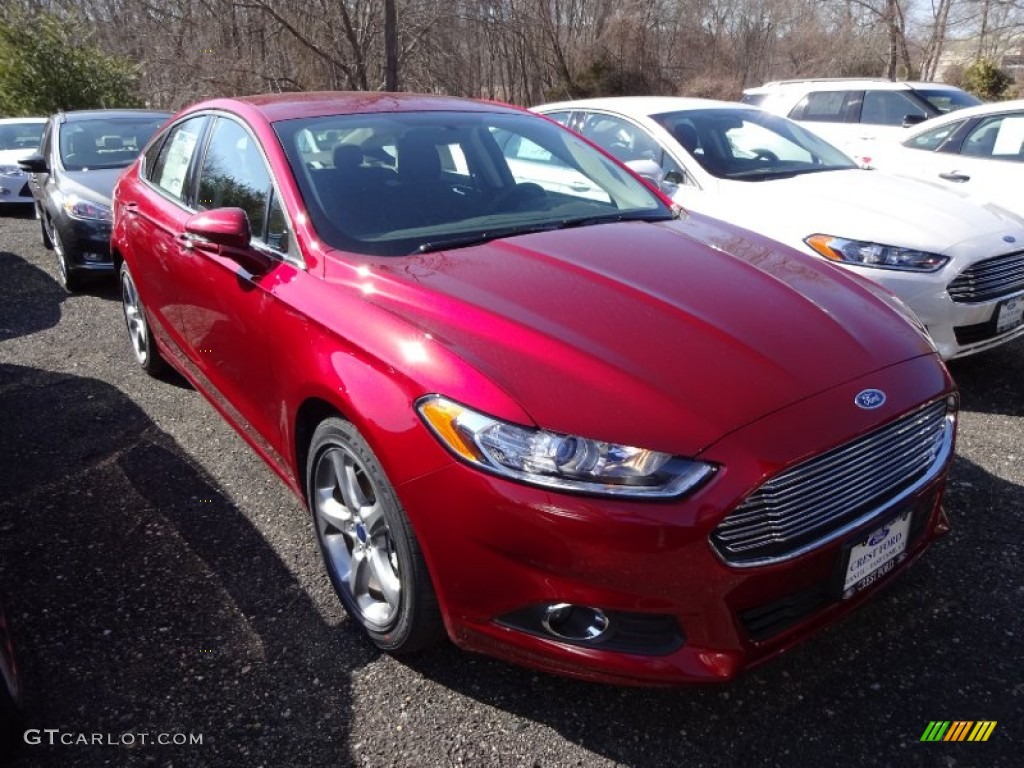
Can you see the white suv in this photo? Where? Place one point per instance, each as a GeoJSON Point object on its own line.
{"type": "Point", "coordinates": [852, 114]}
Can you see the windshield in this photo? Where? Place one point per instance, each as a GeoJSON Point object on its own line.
{"type": "Point", "coordinates": [396, 183]}
{"type": "Point", "coordinates": [750, 145]}
{"type": "Point", "coordinates": [20, 135]}
{"type": "Point", "coordinates": [948, 99]}
{"type": "Point", "coordinates": [106, 142]}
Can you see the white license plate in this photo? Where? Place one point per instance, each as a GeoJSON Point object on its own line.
{"type": "Point", "coordinates": [1011, 314]}
{"type": "Point", "coordinates": [877, 554]}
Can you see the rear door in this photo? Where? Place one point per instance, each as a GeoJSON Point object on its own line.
{"type": "Point", "coordinates": [154, 208]}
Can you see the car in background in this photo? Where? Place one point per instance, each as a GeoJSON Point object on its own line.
{"type": "Point", "coordinates": [854, 114]}
{"type": "Point", "coordinates": [71, 177]}
{"type": "Point", "coordinates": [955, 263]}
{"type": "Point", "coordinates": [11, 718]}
{"type": "Point", "coordinates": [524, 416]}
{"type": "Point", "coordinates": [19, 138]}
{"type": "Point", "coordinates": [979, 150]}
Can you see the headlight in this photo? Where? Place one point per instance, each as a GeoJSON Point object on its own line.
{"type": "Point", "coordinates": [11, 170]}
{"type": "Point", "coordinates": [553, 460]}
{"type": "Point", "coordinates": [875, 255]}
{"type": "Point", "coordinates": [80, 208]}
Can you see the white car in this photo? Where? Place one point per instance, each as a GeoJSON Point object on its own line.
{"type": "Point", "coordinates": [19, 138]}
{"type": "Point", "coordinates": [978, 150]}
{"type": "Point", "coordinates": [958, 265]}
{"type": "Point", "coordinates": [855, 114]}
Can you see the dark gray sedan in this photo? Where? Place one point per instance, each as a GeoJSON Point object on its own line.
{"type": "Point", "coordinates": [72, 177]}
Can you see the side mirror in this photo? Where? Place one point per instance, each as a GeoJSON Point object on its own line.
{"type": "Point", "coordinates": [226, 231]}
{"type": "Point", "coordinates": [646, 168]}
{"type": "Point", "coordinates": [228, 227]}
{"type": "Point", "coordinates": [909, 120]}
{"type": "Point", "coordinates": [675, 178]}
{"type": "Point", "coordinates": [34, 164]}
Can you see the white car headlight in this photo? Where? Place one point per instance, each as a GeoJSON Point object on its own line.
{"type": "Point", "coordinates": [12, 171]}
{"type": "Point", "coordinates": [79, 208]}
{"type": "Point", "coordinates": [877, 255]}
{"type": "Point", "coordinates": [553, 460]}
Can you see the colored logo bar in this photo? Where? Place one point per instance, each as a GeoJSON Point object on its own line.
{"type": "Point", "coordinates": [958, 730]}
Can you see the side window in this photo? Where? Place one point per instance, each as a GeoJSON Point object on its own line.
{"type": "Point", "coordinates": [560, 117]}
{"type": "Point", "coordinates": [46, 141]}
{"type": "Point", "coordinates": [234, 175]}
{"type": "Point", "coordinates": [888, 108]}
{"type": "Point", "coordinates": [821, 106]}
{"type": "Point", "coordinates": [169, 166]}
{"type": "Point", "coordinates": [1000, 137]}
{"type": "Point", "coordinates": [626, 141]}
{"type": "Point", "coordinates": [933, 139]}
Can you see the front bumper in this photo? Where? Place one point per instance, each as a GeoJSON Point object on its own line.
{"type": "Point", "coordinates": [498, 550]}
{"type": "Point", "coordinates": [958, 329]}
{"type": "Point", "coordinates": [86, 244]}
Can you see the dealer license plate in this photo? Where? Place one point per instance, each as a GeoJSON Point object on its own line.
{"type": "Point", "coordinates": [1010, 314]}
{"type": "Point", "coordinates": [877, 554]}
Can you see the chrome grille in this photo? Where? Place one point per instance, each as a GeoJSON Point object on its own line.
{"type": "Point", "coordinates": [824, 497]}
{"type": "Point", "coordinates": [989, 279]}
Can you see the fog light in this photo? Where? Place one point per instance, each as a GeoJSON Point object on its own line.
{"type": "Point", "coordinates": [574, 622]}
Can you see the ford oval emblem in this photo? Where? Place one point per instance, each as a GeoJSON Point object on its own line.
{"type": "Point", "coordinates": [869, 399]}
{"type": "Point", "coordinates": [879, 536]}
{"type": "Point", "coordinates": [1009, 239]}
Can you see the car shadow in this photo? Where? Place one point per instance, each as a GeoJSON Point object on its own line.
{"type": "Point", "coordinates": [990, 382]}
{"type": "Point", "coordinates": [32, 299]}
{"type": "Point", "coordinates": [936, 644]}
{"type": "Point", "coordinates": [143, 600]}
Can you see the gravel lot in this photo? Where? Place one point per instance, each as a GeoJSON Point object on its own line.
{"type": "Point", "coordinates": [160, 579]}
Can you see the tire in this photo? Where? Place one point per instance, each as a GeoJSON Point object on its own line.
{"type": "Point", "coordinates": [369, 548]}
{"type": "Point", "coordinates": [66, 275]}
{"type": "Point", "coordinates": [147, 355]}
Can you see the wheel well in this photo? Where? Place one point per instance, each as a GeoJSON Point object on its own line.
{"type": "Point", "coordinates": [309, 416]}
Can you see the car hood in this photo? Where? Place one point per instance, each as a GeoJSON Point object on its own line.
{"type": "Point", "coordinates": [665, 335]}
{"type": "Point", "coordinates": [97, 185]}
{"type": "Point", "coordinates": [860, 205]}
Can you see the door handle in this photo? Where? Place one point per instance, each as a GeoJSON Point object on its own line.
{"type": "Point", "coordinates": [131, 207]}
{"type": "Point", "coordinates": [956, 176]}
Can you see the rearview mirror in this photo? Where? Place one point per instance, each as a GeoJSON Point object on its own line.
{"type": "Point", "coordinates": [33, 164]}
{"type": "Point", "coordinates": [909, 120]}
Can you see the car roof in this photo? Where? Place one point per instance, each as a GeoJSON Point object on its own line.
{"type": "Point", "coordinates": [287, 106]}
{"type": "Point", "coordinates": [22, 120]}
{"type": "Point", "coordinates": [643, 105]}
{"type": "Point", "coordinates": [867, 83]}
{"type": "Point", "coordinates": [92, 114]}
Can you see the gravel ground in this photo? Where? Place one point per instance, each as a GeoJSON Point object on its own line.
{"type": "Point", "coordinates": [161, 580]}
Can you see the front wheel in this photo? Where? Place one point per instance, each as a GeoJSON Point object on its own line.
{"type": "Point", "coordinates": [146, 353]}
{"type": "Point", "coordinates": [68, 277]}
{"type": "Point", "coordinates": [371, 553]}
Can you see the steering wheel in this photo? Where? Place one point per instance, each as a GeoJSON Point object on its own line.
{"type": "Point", "coordinates": [766, 155]}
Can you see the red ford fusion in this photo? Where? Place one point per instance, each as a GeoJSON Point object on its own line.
{"type": "Point", "coordinates": [561, 421]}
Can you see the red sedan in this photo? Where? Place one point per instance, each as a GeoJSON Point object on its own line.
{"type": "Point", "coordinates": [527, 401]}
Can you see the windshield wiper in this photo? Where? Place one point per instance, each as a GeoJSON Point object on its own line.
{"type": "Point", "coordinates": [757, 175]}
{"type": "Point", "coordinates": [587, 221]}
{"type": "Point", "coordinates": [477, 238]}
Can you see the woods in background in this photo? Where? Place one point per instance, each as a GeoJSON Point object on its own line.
{"type": "Point", "coordinates": [167, 53]}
